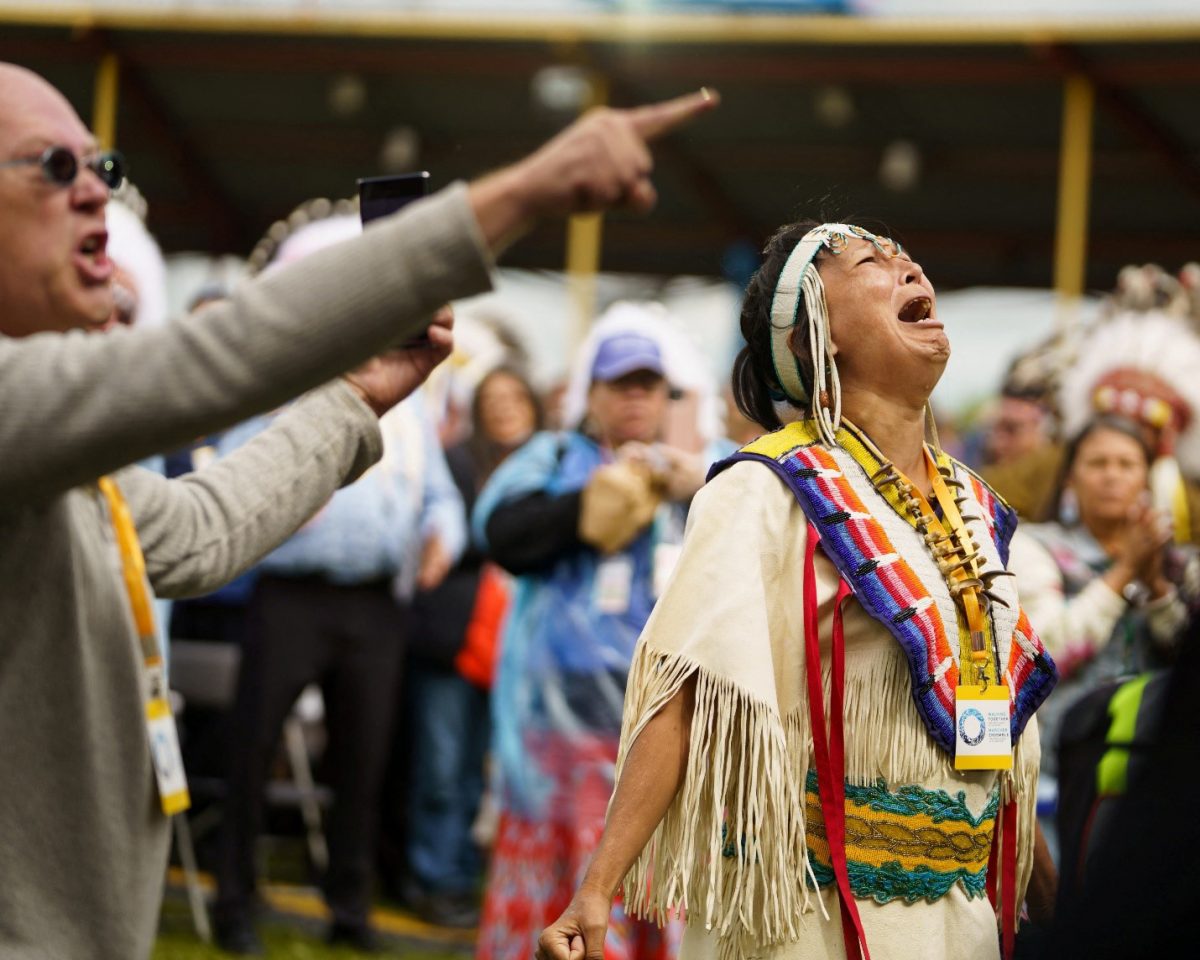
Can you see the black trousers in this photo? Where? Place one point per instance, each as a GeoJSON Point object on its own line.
{"type": "Point", "coordinates": [349, 640]}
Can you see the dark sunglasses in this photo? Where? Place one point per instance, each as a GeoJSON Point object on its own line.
{"type": "Point", "coordinates": [61, 166]}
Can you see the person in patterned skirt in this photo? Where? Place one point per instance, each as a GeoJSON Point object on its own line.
{"type": "Point", "coordinates": [588, 520]}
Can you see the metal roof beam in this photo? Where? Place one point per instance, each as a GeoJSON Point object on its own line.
{"type": "Point", "coordinates": [267, 54]}
{"type": "Point", "coordinates": [661, 28]}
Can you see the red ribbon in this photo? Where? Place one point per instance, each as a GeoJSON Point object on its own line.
{"type": "Point", "coordinates": [830, 749]}
{"type": "Point", "coordinates": [1004, 850]}
{"type": "Point", "coordinates": [1008, 913]}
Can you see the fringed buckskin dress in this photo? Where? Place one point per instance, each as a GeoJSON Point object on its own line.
{"type": "Point", "coordinates": [742, 852]}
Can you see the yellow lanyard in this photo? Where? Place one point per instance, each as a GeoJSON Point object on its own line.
{"type": "Point", "coordinates": [982, 709]}
{"type": "Point", "coordinates": [949, 547]}
{"type": "Point", "coordinates": [160, 724]}
{"type": "Point", "coordinates": [133, 570]}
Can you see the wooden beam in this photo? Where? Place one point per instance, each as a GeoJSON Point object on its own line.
{"type": "Point", "coordinates": [1074, 188]}
{"type": "Point", "coordinates": [784, 68]}
{"type": "Point", "coordinates": [104, 101]}
{"type": "Point", "coordinates": [935, 66]}
{"type": "Point", "coordinates": [585, 238]}
{"type": "Point", "coordinates": [238, 54]}
{"type": "Point", "coordinates": [860, 161]}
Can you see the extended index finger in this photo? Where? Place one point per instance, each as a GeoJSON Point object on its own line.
{"type": "Point", "coordinates": [655, 119]}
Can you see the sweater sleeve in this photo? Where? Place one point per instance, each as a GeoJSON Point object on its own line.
{"type": "Point", "coordinates": [201, 530]}
{"type": "Point", "coordinates": [78, 406]}
{"type": "Point", "coordinates": [1072, 628]}
{"type": "Point", "coordinates": [529, 534]}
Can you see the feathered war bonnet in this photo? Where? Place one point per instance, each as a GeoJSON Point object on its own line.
{"type": "Point", "coordinates": [1140, 361]}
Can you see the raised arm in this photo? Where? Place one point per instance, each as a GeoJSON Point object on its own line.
{"type": "Point", "coordinates": [76, 407]}
{"type": "Point", "coordinates": [601, 162]}
{"type": "Point", "coordinates": [203, 529]}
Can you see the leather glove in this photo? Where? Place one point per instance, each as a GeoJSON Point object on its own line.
{"type": "Point", "coordinates": [617, 504]}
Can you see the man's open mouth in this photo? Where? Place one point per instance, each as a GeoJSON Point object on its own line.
{"type": "Point", "coordinates": [91, 258]}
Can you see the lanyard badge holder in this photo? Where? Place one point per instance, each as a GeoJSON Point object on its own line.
{"type": "Point", "coordinates": [982, 708]}
{"type": "Point", "coordinates": [982, 730]}
{"type": "Point", "coordinates": [160, 723]}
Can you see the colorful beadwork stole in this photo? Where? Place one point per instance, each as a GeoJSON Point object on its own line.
{"type": "Point", "coordinates": [886, 565]}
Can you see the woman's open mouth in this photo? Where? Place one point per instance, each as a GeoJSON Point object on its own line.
{"type": "Point", "coordinates": [916, 310]}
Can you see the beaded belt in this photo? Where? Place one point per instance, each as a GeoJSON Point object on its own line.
{"type": "Point", "coordinates": [911, 844]}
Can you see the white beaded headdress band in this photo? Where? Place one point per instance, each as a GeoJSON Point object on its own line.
{"type": "Point", "coordinates": [800, 278]}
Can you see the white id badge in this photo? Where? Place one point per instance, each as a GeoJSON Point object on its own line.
{"type": "Point", "coordinates": [666, 555]}
{"type": "Point", "coordinates": [614, 584]}
{"type": "Point", "coordinates": [164, 743]}
{"type": "Point", "coordinates": [983, 738]}
{"type": "Point", "coordinates": [168, 761]}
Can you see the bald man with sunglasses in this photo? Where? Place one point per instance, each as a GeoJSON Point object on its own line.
{"type": "Point", "coordinates": [83, 825]}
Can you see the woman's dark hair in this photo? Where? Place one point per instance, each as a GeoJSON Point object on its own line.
{"type": "Point", "coordinates": [486, 453]}
{"type": "Point", "coordinates": [1103, 421]}
{"type": "Point", "coordinates": [754, 380]}
{"type": "Point", "coordinates": [1107, 421]}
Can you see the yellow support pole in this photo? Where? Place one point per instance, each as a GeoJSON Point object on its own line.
{"type": "Point", "coordinates": [1074, 192]}
{"type": "Point", "coordinates": [585, 238]}
{"type": "Point", "coordinates": [104, 101]}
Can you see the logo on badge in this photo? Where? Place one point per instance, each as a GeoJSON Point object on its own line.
{"type": "Point", "coordinates": [971, 727]}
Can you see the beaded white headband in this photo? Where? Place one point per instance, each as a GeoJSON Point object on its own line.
{"type": "Point", "coordinates": [800, 278]}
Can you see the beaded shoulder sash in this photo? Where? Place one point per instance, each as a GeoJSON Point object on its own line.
{"type": "Point", "coordinates": [886, 565]}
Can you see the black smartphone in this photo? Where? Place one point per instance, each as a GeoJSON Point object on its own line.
{"type": "Point", "coordinates": [381, 196]}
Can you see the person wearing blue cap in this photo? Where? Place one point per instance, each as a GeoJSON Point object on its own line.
{"type": "Point", "coordinates": [589, 521]}
{"type": "Point", "coordinates": [624, 353]}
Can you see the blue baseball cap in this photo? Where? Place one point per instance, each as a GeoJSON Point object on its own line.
{"type": "Point", "coordinates": [623, 353]}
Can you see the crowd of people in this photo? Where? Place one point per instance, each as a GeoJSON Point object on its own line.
{"type": "Point", "coordinates": [625, 678]}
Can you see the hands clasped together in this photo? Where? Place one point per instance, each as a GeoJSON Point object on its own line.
{"type": "Point", "coordinates": [621, 497]}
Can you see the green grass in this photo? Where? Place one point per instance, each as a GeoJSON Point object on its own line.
{"type": "Point", "coordinates": [298, 941]}
{"type": "Point", "coordinates": [285, 944]}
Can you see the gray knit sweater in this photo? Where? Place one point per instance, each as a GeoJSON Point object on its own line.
{"type": "Point", "coordinates": [82, 842]}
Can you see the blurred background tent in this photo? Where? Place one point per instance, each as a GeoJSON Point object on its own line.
{"type": "Point", "coordinates": [1023, 151]}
